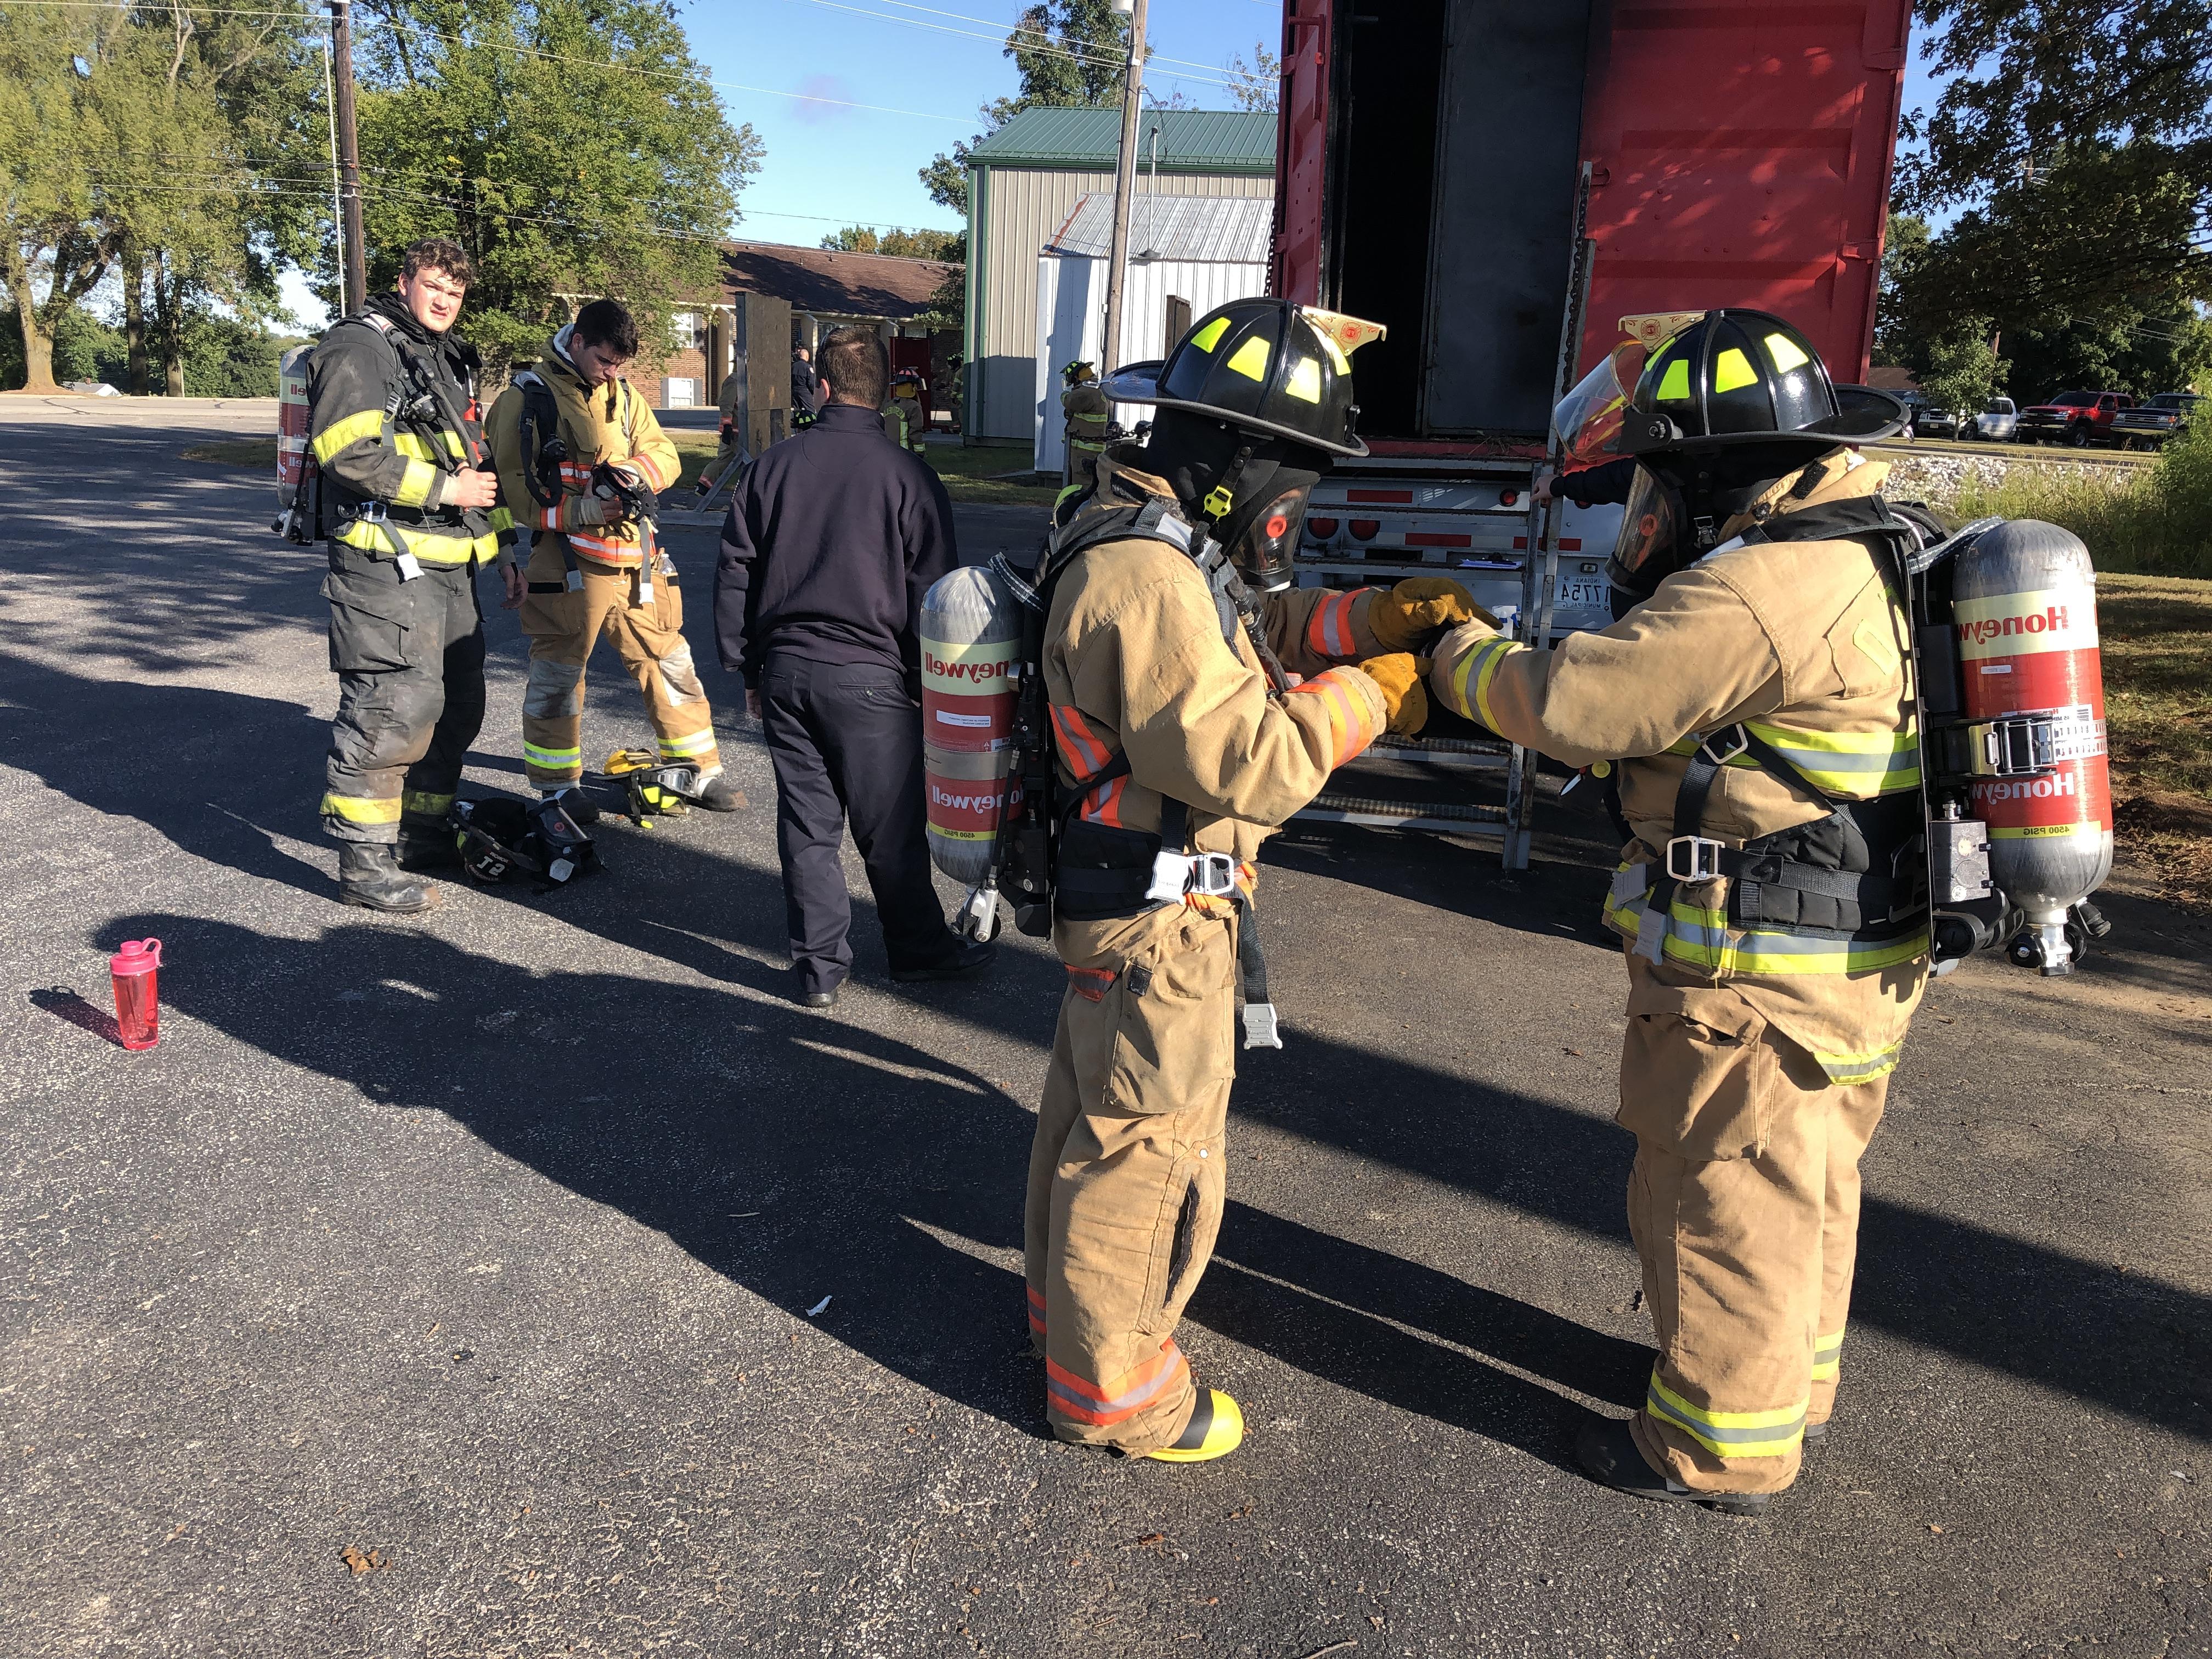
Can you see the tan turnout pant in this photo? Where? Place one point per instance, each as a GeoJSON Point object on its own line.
{"type": "Point", "coordinates": [1125, 1190]}
{"type": "Point", "coordinates": [1744, 1204]}
{"type": "Point", "coordinates": [563, 627]}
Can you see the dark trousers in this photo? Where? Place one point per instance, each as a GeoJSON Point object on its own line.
{"type": "Point", "coordinates": [409, 659]}
{"type": "Point", "coordinates": [845, 742]}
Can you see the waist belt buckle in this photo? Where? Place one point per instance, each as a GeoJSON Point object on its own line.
{"type": "Point", "coordinates": [1737, 739]}
{"type": "Point", "coordinates": [1213, 874]}
{"type": "Point", "coordinates": [1701, 853]}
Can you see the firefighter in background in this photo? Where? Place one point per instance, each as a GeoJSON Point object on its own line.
{"type": "Point", "coordinates": [611, 443]}
{"type": "Point", "coordinates": [904, 420]}
{"type": "Point", "coordinates": [1757, 706]}
{"type": "Point", "coordinates": [1086, 409]}
{"type": "Point", "coordinates": [411, 495]}
{"type": "Point", "coordinates": [728, 441]}
{"type": "Point", "coordinates": [1174, 740]}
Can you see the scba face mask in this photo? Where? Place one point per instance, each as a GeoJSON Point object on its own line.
{"type": "Point", "coordinates": [1655, 538]}
{"type": "Point", "coordinates": [1264, 551]}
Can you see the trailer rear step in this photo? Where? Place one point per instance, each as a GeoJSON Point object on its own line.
{"type": "Point", "coordinates": [1372, 813]}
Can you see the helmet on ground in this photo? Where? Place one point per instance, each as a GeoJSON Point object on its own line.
{"type": "Point", "coordinates": [1076, 372]}
{"type": "Point", "coordinates": [656, 788]}
{"type": "Point", "coordinates": [500, 836]}
{"type": "Point", "coordinates": [1701, 382]}
{"type": "Point", "coordinates": [1265, 366]}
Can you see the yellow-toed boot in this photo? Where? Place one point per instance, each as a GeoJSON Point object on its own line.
{"type": "Point", "coordinates": [1216, 1429]}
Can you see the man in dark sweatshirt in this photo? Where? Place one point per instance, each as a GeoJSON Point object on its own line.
{"type": "Point", "coordinates": [827, 548]}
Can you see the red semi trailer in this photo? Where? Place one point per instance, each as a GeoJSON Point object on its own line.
{"type": "Point", "coordinates": [1499, 182]}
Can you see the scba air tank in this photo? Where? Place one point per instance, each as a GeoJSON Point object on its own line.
{"type": "Point", "coordinates": [2024, 601]}
{"type": "Point", "coordinates": [971, 640]}
{"type": "Point", "coordinates": [291, 421]}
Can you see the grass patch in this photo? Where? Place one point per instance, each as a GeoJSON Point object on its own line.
{"type": "Point", "coordinates": [968, 470]}
{"type": "Point", "coordinates": [2158, 522]}
{"type": "Point", "coordinates": [2156, 634]}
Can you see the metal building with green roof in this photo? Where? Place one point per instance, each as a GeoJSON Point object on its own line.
{"type": "Point", "coordinates": [1023, 182]}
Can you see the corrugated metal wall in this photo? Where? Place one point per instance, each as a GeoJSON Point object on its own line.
{"type": "Point", "coordinates": [1020, 209]}
{"type": "Point", "coordinates": [1071, 309]}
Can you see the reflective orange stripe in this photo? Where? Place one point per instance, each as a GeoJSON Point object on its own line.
{"type": "Point", "coordinates": [1036, 1304]}
{"type": "Point", "coordinates": [647, 470]}
{"type": "Point", "coordinates": [1083, 751]}
{"type": "Point", "coordinates": [1107, 809]}
{"type": "Point", "coordinates": [1347, 727]}
{"type": "Point", "coordinates": [1123, 1397]}
{"type": "Point", "coordinates": [1328, 631]}
{"type": "Point", "coordinates": [1093, 983]}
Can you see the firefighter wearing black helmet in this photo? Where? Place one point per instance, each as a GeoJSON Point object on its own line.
{"type": "Point", "coordinates": [1191, 716]}
{"type": "Point", "coordinates": [1755, 708]}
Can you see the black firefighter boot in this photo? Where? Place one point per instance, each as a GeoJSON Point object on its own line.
{"type": "Point", "coordinates": [428, 847]}
{"type": "Point", "coordinates": [370, 877]}
{"type": "Point", "coordinates": [1608, 1452]}
{"type": "Point", "coordinates": [718, 794]}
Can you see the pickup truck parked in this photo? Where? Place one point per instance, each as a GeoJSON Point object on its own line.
{"type": "Point", "coordinates": [1999, 422]}
{"type": "Point", "coordinates": [2148, 425]}
{"type": "Point", "coordinates": [2079, 418]}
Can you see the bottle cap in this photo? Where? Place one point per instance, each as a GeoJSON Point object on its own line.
{"type": "Point", "coordinates": [138, 956]}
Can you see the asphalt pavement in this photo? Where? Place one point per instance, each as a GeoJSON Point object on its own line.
{"type": "Point", "coordinates": [532, 1279]}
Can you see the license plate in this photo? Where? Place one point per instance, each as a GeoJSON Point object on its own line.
{"type": "Point", "coordinates": [1582, 593]}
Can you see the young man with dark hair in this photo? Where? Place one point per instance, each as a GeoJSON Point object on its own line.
{"type": "Point", "coordinates": [410, 510]}
{"type": "Point", "coordinates": [827, 548]}
{"type": "Point", "coordinates": [594, 569]}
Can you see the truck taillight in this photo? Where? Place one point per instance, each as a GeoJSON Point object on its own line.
{"type": "Point", "coordinates": [1321, 528]}
{"type": "Point", "coordinates": [1509, 498]}
{"type": "Point", "coordinates": [1367, 530]}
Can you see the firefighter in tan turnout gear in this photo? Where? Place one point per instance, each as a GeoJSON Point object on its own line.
{"type": "Point", "coordinates": [1757, 707]}
{"type": "Point", "coordinates": [581, 457]}
{"type": "Point", "coordinates": [409, 504]}
{"type": "Point", "coordinates": [1178, 750]}
{"type": "Point", "coordinates": [1085, 409]}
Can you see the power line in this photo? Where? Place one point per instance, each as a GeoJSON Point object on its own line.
{"type": "Point", "coordinates": [1033, 40]}
{"type": "Point", "coordinates": [1155, 58]}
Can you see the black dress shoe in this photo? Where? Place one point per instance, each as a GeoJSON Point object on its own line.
{"type": "Point", "coordinates": [965, 959]}
{"type": "Point", "coordinates": [1608, 1452]}
{"type": "Point", "coordinates": [812, 997]}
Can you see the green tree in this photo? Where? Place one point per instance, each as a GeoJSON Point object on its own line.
{"type": "Point", "coordinates": [1961, 369]}
{"type": "Point", "coordinates": [1257, 86]}
{"type": "Point", "coordinates": [574, 146]}
{"type": "Point", "coordinates": [906, 244]}
{"type": "Point", "coordinates": [1070, 54]}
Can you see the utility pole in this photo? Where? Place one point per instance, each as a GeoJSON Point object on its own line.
{"type": "Point", "coordinates": [1125, 181]}
{"type": "Point", "coordinates": [350, 234]}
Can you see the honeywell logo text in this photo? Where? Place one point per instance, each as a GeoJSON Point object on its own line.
{"type": "Point", "coordinates": [941, 797]}
{"type": "Point", "coordinates": [978, 673]}
{"type": "Point", "coordinates": [2058, 784]}
{"type": "Point", "coordinates": [2050, 620]}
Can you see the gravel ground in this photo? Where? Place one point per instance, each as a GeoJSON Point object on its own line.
{"type": "Point", "coordinates": [530, 1278]}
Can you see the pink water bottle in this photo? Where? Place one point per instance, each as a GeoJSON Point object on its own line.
{"type": "Point", "coordinates": [138, 1000]}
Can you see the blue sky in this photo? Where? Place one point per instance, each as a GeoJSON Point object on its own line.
{"type": "Point", "coordinates": [799, 70]}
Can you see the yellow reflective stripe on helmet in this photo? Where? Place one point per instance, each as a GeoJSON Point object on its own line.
{"type": "Point", "coordinates": [684, 748]}
{"type": "Point", "coordinates": [1785, 352]}
{"type": "Point", "coordinates": [1827, 1356]}
{"type": "Point", "coordinates": [1675, 383]}
{"type": "Point", "coordinates": [423, 803]}
{"type": "Point", "coordinates": [1251, 359]}
{"type": "Point", "coordinates": [1210, 337]}
{"type": "Point", "coordinates": [362, 809]}
{"type": "Point", "coordinates": [1732, 369]}
{"type": "Point", "coordinates": [415, 484]}
{"type": "Point", "coordinates": [368, 423]}
{"type": "Point", "coordinates": [1304, 383]}
{"type": "Point", "coordinates": [1729, 1434]}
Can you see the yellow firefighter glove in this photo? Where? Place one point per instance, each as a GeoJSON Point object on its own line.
{"type": "Point", "coordinates": [1418, 608]}
{"type": "Point", "coordinates": [1399, 677]}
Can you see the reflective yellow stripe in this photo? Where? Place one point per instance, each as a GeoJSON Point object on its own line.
{"type": "Point", "coordinates": [553, 760]}
{"type": "Point", "coordinates": [1732, 369]}
{"type": "Point", "coordinates": [502, 518]}
{"type": "Point", "coordinates": [415, 484]}
{"type": "Point", "coordinates": [1210, 337]}
{"type": "Point", "coordinates": [1862, 1067]}
{"type": "Point", "coordinates": [1675, 383]}
{"type": "Point", "coordinates": [1852, 763]}
{"type": "Point", "coordinates": [1827, 1356]}
{"type": "Point", "coordinates": [1251, 359]}
{"type": "Point", "coordinates": [697, 744]}
{"type": "Point", "coordinates": [1702, 939]}
{"type": "Point", "coordinates": [359, 809]}
{"type": "Point", "coordinates": [1304, 383]}
{"type": "Point", "coordinates": [386, 537]}
{"type": "Point", "coordinates": [424, 805]}
{"type": "Point", "coordinates": [1480, 663]}
{"type": "Point", "coordinates": [1729, 1434]}
{"type": "Point", "coordinates": [369, 423]}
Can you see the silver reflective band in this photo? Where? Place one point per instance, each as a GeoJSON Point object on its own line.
{"type": "Point", "coordinates": [1700, 853]}
{"type": "Point", "coordinates": [1212, 875]}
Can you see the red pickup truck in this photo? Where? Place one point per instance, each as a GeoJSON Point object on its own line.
{"type": "Point", "coordinates": [2079, 418]}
